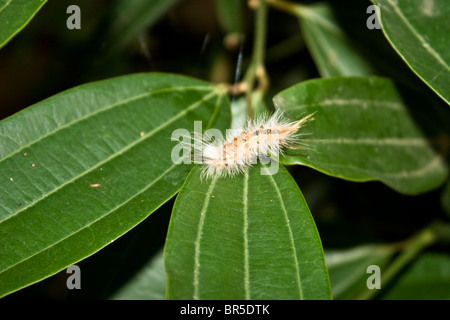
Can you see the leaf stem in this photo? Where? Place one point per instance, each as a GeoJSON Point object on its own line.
{"type": "Point", "coordinates": [289, 7]}
{"type": "Point", "coordinates": [256, 69]}
{"type": "Point", "coordinates": [412, 247]}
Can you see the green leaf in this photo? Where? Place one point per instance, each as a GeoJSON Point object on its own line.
{"type": "Point", "coordinates": [131, 18]}
{"type": "Point", "coordinates": [334, 53]}
{"type": "Point", "coordinates": [15, 15]}
{"type": "Point", "coordinates": [348, 268]}
{"type": "Point", "coordinates": [428, 277]}
{"type": "Point", "coordinates": [363, 131]}
{"type": "Point", "coordinates": [83, 167]}
{"type": "Point", "coordinates": [418, 31]}
{"type": "Point", "coordinates": [247, 237]}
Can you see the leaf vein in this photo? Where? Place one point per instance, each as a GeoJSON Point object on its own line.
{"type": "Point", "coordinates": [199, 238]}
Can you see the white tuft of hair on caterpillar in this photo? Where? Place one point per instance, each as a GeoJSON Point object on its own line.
{"type": "Point", "coordinates": [265, 136]}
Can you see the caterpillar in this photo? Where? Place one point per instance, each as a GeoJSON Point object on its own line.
{"type": "Point", "coordinates": [265, 136]}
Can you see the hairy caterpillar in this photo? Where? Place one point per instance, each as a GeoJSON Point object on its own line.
{"type": "Point", "coordinates": [265, 136]}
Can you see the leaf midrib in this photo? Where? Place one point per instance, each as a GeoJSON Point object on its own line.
{"type": "Point", "coordinates": [357, 102]}
{"type": "Point", "coordinates": [397, 142]}
{"type": "Point", "coordinates": [245, 231]}
{"type": "Point", "coordinates": [291, 236]}
{"type": "Point", "coordinates": [199, 238]}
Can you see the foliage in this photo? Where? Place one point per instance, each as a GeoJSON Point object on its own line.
{"type": "Point", "coordinates": [87, 175]}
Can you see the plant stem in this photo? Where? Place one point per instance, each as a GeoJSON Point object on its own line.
{"type": "Point", "coordinates": [412, 248]}
{"type": "Point", "coordinates": [286, 6]}
{"type": "Point", "coordinates": [256, 69]}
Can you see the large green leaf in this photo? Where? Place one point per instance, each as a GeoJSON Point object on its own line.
{"type": "Point", "coordinates": [81, 168]}
{"type": "Point", "coordinates": [334, 53]}
{"type": "Point", "coordinates": [364, 131]}
{"type": "Point", "coordinates": [247, 237]}
{"type": "Point", "coordinates": [15, 15]}
{"type": "Point", "coordinates": [418, 30]}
